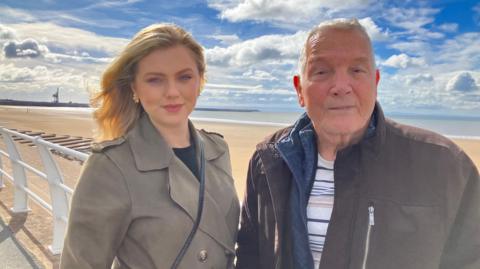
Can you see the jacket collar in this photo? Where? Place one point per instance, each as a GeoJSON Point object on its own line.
{"type": "Point", "coordinates": [151, 151]}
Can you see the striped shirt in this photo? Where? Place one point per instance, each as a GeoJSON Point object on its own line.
{"type": "Point", "coordinates": [319, 208]}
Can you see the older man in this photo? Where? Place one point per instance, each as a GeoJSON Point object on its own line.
{"type": "Point", "coordinates": [344, 187]}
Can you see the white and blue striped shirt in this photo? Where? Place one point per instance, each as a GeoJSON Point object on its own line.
{"type": "Point", "coordinates": [319, 208]}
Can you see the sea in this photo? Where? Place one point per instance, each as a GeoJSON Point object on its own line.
{"type": "Point", "coordinates": [466, 127]}
{"type": "Point", "coordinates": [454, 126]}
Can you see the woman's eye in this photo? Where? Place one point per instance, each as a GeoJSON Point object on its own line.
{"type": "Point", "coordinates": [153, 80]}
{"type": "Point", "coordinates": [185, 77]}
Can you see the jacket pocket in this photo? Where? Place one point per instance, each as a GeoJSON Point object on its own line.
{"type": "Point", "coordinates": [401, 236]}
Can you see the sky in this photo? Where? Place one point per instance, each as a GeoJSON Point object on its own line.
{"type": "Point", "coordinates": [428, 52]}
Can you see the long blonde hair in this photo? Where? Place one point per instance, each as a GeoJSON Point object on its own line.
{"type": "Point", "coordinates": [116, 112]}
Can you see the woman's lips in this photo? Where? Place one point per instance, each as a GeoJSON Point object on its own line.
{"type": "Point", "coordinates": [173, 108]}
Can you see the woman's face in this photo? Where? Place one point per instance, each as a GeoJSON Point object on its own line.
{"type": "Point", "coordinates": [167, 83]}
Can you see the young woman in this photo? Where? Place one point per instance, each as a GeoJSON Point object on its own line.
{"type": "Point", "coordinates": [156, 192]}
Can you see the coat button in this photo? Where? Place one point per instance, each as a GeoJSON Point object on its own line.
{"type": "Point", "coordinates": [202, 255]}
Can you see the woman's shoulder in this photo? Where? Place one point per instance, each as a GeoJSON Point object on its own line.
{"type": "Point", "coordinates": [215, 137]}
{"type": "Point", "coordinates": [102, 146]}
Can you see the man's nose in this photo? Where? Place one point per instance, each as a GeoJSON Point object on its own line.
{"type": "Point", "coordinates": [341, 83]}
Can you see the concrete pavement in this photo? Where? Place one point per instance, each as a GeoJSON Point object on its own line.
{"type": "Point", "coordinates": [12, 254]}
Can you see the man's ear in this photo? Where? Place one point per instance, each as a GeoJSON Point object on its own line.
{"type": "Point", "coordinates": [298, 89]}
{"type": "Point", "coordinates": [377, 76]}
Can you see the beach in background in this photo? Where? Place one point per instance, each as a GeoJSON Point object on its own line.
{"type": "Point", "coordinates": [242, 130]}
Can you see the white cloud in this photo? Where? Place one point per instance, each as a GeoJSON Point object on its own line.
{"type": "Point", "coordinates": [463, 82]}
{"type": "Point", "coordinates": [411, 18]}
{"type": "Point", "coordinates": [226, 39]}
{"type": "Point", "coordinates": [420, 78]}
{"type": "Point", "coordinates": [449, 27]}
{"type": "Point", "coordinates": [256, 74]}
{"type": "Point", "coordinates": [285, 12]}
{"type": "Point", "coordinates": [403, 61]}
{"type": "Point", "coordinates": [476, 16]}
{"type": "Point", "coordinates": [6, 33]}
{"type": "Point", "coordinates": [267, 48]}
{"type": "Point", "coordinates": [69, 38]}
{"type": "Point", "coordinates": [373, 30]}
{"type": "Point", "coordinates": [28, 48]}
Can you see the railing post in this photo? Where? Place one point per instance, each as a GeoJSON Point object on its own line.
{"type": "Point", "coordinates": [58, 197]}
{"type": "Point", "coordinates": [2, 185]}
{"type": "Point", "coordinates": [20, 202]}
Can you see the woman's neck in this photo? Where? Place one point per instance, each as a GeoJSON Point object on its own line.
{"type": "Point", "coordinates": [175, 136]}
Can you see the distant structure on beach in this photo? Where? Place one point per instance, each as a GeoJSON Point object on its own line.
{"type": "Point", "coordinates": [10, 102]}
{"type": "Point", "coordinates": [56, 103]}
{"type": "Point", "coordinates": [55, 96]}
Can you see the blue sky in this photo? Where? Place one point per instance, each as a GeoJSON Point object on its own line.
{"type": "Point", "coordinates": [428, 51]}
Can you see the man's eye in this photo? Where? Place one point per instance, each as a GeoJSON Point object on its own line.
{"type": "Point", "coordinates": [320, 72]}
{"type": "Point", "coordinates": [358, 70]}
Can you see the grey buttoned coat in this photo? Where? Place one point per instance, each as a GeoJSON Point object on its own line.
{"type": "Point", "coordinates": [136, 202]}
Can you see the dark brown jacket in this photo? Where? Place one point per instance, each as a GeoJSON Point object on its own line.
{"type": "Point", "coordinates": [425, 191]}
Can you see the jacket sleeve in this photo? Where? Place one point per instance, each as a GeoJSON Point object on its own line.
{"type": "Point", "coordinates": [463, 246]}
{"type": "Point", "coordinates": [99, 216]}
{"type": "Point", "coordinates": [247, 242]}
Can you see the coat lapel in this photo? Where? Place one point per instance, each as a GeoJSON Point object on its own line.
{"type": "Point", "coordinates": [151, 152]}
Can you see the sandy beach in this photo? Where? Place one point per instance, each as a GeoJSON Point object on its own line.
{"type": "Point", "coordinates": [241, 138]}
{"type": "Point", "coordinates": [34, 231]}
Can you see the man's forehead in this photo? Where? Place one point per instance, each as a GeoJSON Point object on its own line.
{"type": "Point", "coordinates": [348, 42]}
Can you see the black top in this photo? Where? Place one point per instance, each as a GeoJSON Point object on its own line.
{"type": "Point", "coordinates": [188, 157]}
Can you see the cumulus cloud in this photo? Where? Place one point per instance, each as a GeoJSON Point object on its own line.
{"type": "Point", "coordinates": [420, 78]}
{"type": "Point", "coordinates": [6, 33]}
{"type": "Point", "coordinates": [259, 75]}
{"type": "Point", "coordinates": [449, 27]}
{"type": "Point", "coordinates": [60, 37]}
{"type": "Point", "coordinates": [462, 82]}
{"type": "Point", "coordinates": [286, 11]}
{"type": "Point", "coordinates": [373, 30]}
{"type": "Point", "coordinates": [28, 48]}
{"type": "Point", "coordinates": [403, 61]}
{"type": "Point", "coordinates": [11, 73]}
{"type": "Point", "coordinates": [268, 48]}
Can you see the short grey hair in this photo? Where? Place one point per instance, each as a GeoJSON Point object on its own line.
{"type": "Point", "coordinates": [340, 24]}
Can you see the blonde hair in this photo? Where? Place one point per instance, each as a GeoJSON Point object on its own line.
{"type": "Point", "coordinates": [335, 24]}
{"type": "Point", "coordinates": [116, 112]}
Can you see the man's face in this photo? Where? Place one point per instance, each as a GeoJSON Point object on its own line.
{"type": "Point", "coordinates": [338, 87]}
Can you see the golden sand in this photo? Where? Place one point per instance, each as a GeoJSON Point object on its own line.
{"type": "Point", "coordinates": [241, 138]}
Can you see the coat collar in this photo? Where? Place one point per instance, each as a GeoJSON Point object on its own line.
{"type": "Point", "coordinates": [151, 151]}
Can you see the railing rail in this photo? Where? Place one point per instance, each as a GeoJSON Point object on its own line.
{"type": "Point", "coordinates": [59, 192]}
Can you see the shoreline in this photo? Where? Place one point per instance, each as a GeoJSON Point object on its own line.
{"type": "Point", "coordinates": [87, 111]}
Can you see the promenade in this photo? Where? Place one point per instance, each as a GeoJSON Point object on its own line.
{"type": "Point", "coordinates": [16, 241]}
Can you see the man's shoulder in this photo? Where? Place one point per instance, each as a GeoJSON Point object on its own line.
{"type": "Point", "coordinates": [420, 136]}
{"type": "Point", "coordinates": [272, 139]}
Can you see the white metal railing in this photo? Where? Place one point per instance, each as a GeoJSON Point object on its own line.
{"type": "Point", "coordinates": [59, 192]}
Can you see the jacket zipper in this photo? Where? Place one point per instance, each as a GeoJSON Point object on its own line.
{"type": "Point", "coordinates": [371, 223]}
